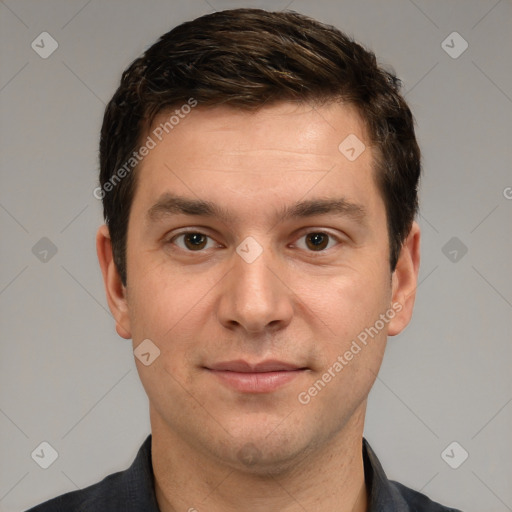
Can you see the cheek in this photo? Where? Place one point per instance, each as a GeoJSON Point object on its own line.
{"type": "Point", "coordinates": [347, 302]}
{"type": "Point", "coordinates": [352, 312]}
{"type": "Point", "coordinates": [154, 305]}
{"type": "Point", "coordinates": [351, 346]}
{"type": "Point", "coordinates": [171, 309]}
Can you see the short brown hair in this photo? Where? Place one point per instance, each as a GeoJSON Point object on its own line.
{"type": "Point", "coordinates": [245, 59]}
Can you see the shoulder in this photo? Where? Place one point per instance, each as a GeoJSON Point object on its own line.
{"type": "Point", "coordinates": [96, 497]}
{"type": "Point", "coordinates": [418, 502]}
{"type": "Point", "coordinates": [389, 495]}
{"type": "Point", "coordinates": [130, 490]}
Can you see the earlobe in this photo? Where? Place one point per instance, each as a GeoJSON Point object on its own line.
{"type": "Point", "coordinates": [115, 291]}
{"type": "Point", "coordinates": [405, 281]}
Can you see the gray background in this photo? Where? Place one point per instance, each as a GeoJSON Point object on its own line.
{"type": "Point", "coordinates": [68, 379]}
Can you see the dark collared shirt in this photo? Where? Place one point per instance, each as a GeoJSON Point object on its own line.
{"type": "Point", "coordinates": [133, 491]}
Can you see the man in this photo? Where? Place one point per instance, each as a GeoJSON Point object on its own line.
{"type": "Point", "coordinates": [259, 178]}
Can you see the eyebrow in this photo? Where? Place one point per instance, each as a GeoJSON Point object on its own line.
{"type": "Point", "coordinates": [171, 204]}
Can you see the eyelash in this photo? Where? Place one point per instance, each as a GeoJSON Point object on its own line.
{"type": "Point", "coordinates": [320, 252]}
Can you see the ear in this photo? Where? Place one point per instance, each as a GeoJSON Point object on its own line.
{"type": "Point", "coordinates": [405, 281]}
{"type": "Point", "coordinates": [116, 292]}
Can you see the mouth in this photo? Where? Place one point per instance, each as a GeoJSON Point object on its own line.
{"type": "Point", "coordinates": [262, 377]}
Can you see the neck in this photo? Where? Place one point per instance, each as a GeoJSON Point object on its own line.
{"type": "Point", "coordinates": [331, 479]}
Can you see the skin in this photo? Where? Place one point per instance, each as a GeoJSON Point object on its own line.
{"type": "Point", "coordinates": [215, 448]}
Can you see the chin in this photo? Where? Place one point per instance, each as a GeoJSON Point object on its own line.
{"type": "Point", "coordinates": [263, 451]}
{"type": "Point", "coordinates": [258, 459]}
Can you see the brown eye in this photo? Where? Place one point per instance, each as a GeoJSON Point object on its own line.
{"type": "Point", "coordinates": [192, 241]}
{"type": "Point", "coordinates": [317, 241]}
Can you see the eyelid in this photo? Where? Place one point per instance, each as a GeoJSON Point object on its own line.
{"type": "Point", "coordinates": [308, 231]}
{"type": "Point", "coordinates": [315, 229]}
{"type": "Point", "coordinates": [170, 240]}
{"type": "Point", "coordinates": [303, 232]}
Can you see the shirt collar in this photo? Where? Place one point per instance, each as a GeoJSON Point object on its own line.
{"type": "Point", "coordinates": [382, 496]}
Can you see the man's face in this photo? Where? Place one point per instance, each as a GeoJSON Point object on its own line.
{"type": "Point", "coordinates": [251, 310]}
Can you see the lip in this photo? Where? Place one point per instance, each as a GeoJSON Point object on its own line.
{"type": "Point", "coordinates": [241, 366]}
{"type": "Point", "coordinates": [262, 377]}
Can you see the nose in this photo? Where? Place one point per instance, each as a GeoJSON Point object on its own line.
{"type": "Point", "coordinates": [255, 296]}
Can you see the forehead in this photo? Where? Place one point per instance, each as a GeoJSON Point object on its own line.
{"type": "Point", "coordinates": [303, 129]}
{"type": "Point", "coordinates": [282, 151]}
